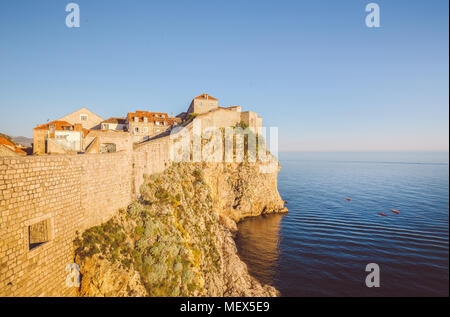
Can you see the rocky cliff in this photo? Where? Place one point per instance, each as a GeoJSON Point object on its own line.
{"type": "Point", "coordinates": [177, 239]}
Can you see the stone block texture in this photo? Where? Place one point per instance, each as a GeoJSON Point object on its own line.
{"type": "Point", "coordinates": [50, 198]}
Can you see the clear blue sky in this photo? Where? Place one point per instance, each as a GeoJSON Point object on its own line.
{"type": "Point", "coordinates": [312, 68]}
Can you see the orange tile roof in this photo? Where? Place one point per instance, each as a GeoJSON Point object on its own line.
{"type": "Point", "coordinates": [205, 96]}
{"type": "Point", "coordinates": [58, 125]}
{"type": "Point", "coordinates": [4, 141]}
{"type": "Point", "coordinates": [10, 145]}
{"type": "Point", "coordinates": [150, 116]}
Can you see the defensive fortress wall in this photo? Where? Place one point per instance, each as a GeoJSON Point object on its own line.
{"type": "Point", "coordinates": [45, 200]}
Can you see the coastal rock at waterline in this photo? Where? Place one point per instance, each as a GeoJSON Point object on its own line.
{"type": "Point", "coordinates": [237, 281]}
{"type": "Point", "coordinates": [241, 190]}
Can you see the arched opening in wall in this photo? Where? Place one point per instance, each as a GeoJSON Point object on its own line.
{"type": "Point", "coordinates": [107, 148]}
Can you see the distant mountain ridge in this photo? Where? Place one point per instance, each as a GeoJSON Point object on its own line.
{"type": "Point", "coordinates": [18, 140]}
{"type": "Point", "coordinates": [22, 140]}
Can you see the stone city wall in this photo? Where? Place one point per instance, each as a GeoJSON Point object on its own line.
{"type": "Point", "coordinates": [50, 198]}
{"type": "Point", "coordinates": [46, 200]}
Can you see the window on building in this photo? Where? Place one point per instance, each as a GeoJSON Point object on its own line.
{"type": "Point", "coordinates": [84, 117]}
{"type": "Point", "coordinates": [136, 130]}
{"type": "Point", "coordinates": [105, 126]}
{"type": "Point", "coordinates": [145, 129]}
{"type": "Point", "coordinates": [157, 123]}
{"type": "Point", "coordinates": [38, 234]}
{"type": "Point", "coordinates": [136, 119]}
{"type": "Point", "coordinates": [145, 119]}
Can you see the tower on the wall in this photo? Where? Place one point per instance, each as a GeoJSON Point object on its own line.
{"type": "Point", "coordinates": [203, 103]}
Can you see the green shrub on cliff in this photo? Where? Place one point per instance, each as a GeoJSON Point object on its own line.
{"type": "Point", "coordinates": [108, 239]}
{"type": "Point", "coordinates": [168, 238]}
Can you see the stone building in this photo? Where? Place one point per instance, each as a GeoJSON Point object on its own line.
{"type": "Point", "coordinates": [252, 119]}
{"type": "Point", "coordinates": [114, 124]}
{"type": "Point", "coordinates": [58, 137]}
{"type": "Point", "coordinates": [143, 125]}
{"type": "Point", "coordinates": [202, 104]}
{"type": "Point", "coordinates": [107, 141]}
{"type": "Point", "coordinates": [8, 148]}
{"type": "Point", "coordinates": [84, 131]}
{"type": "Point", "coordinates": [212, 115]}
{"type": "Point", "coordinates": [225, 117]}
{"type": "Point", "coordinates": [85, 117]}
{"type": "Point", "coordinates": [65, 135]}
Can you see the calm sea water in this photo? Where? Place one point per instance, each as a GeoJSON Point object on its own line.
{"type": "Point", "coordinates": [322, 246]}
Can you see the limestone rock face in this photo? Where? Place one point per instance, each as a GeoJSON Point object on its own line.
{"type": "Point", "coordinates": [177, 239]}
{"type": "Point", "coordinates": [109, 280]}
{"type": "Point", "coordinates": [241, 190]}
{"type": "Point", "coordinates": [237, 282]}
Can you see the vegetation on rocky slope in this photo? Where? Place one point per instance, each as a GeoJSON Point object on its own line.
{"type": "Point", "coordinates": [173, 238]}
